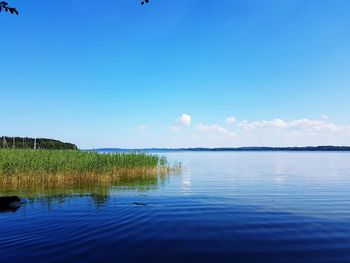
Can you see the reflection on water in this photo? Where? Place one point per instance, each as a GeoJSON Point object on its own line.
{"type": "Point", "coordinates": [60, 188]}
{"type": "Point", "coordinates": [8, 206]}
{"type": "Point", "coordinates": [9, 203]}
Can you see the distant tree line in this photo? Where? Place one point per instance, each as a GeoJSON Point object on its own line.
{"type": "Point", "coordinates": [28, 143]}
{"type": "Point", "coordinates": [232, 149]}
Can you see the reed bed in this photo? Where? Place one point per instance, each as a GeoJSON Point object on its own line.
{"type": "Point", "coordinates": [44, 172]}
{"type": "Point", "coordinates": [91, 165]}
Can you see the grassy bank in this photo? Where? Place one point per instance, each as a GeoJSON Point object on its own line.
{"type": "Point", "coordinates": [71, 164]}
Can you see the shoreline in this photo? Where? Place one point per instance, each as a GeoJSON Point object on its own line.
{"type": "Point", "coordinates": [230, 149]}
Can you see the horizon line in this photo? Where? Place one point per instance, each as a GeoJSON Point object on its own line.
{"type": "Point", "coordinates": [242, 148]}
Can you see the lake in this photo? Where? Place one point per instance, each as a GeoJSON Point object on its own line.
{"type": "Point", "coordinates": [223, 207]}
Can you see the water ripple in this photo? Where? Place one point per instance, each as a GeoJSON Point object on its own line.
{"type": "Point", "coordinates": [225, 207]}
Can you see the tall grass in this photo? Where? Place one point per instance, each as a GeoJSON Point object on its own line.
{"type": "Point", "coordinates": [78, 163]}
{"type": "Point", "coordinates": [50, 173]}
{"type": "Point", "coordinates": [60, 174]}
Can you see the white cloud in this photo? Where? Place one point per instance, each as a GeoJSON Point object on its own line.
{"type": "Point", "coordinates": [183, 120]}
{"type": "Point", "coordinates": [293, 133]}
{"type": "Point", "coordinates": [214, 129]}
{"type": "Point", "coordinates": [213, 135]}
{"type": "Point", "coordinates": [231, 120]}
{"type": "Point", "coordinates": [273, 132]}
{"type": "Point", "coordinates": [142, 127]}
{"type": "Point", "coordinates": [300, 124]}
{"type": "Point", "coordinates": [276, 123]}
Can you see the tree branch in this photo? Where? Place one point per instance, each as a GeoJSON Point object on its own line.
{"type": "Point", "coordinates": [4, 6]}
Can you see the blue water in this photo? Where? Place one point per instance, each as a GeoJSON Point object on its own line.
{"type": "Point", "coordinates": [224, 207]}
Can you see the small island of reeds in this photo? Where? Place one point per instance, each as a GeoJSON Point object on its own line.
{"type": "Point", "coordinates": [52, 168]}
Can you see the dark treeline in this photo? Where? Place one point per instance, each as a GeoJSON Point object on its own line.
{"type": "Point", "coordinates": [28, 143]}
{"type": "Point", "coordinates": [306, 148]}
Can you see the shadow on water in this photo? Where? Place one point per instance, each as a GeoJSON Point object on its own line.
{"type": "Point", "coordinates": [9, 208]}
{"type": "Point", "coordinates": [9, 204]}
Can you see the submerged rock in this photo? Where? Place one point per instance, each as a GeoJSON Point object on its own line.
{"type": "Point", "coordinates": [138, 203]}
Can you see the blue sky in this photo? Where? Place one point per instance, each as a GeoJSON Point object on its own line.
{"type": "Point", "coordinates": [169, 74]}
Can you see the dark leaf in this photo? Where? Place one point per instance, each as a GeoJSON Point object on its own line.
{"type": "Point", "coordinates": [4, 7]}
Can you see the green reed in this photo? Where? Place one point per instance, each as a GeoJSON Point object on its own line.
{"type": "Point", "coordinates": [45, 162]}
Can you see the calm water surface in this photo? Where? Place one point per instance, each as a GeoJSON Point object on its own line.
{"type": "Point", "coordinates": [224, 207]}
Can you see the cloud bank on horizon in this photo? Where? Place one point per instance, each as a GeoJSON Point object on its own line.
{"type": "Point", "coordinates": [232, 132]}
